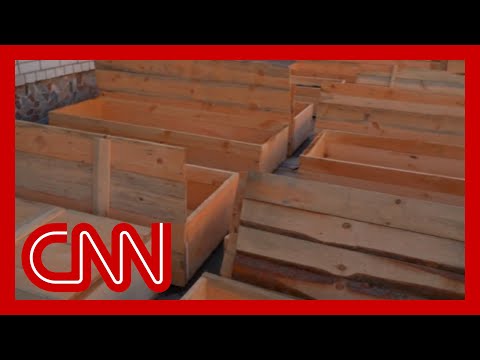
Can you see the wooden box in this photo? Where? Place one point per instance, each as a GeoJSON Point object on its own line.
{"type": "Point", "coordinates": [432, 110]}
{"type": "Point", "coordinates": [30, 215]}
{"type": "Point", "coordinates": [228, 114]}
{"type": "Point", "coordinates": [422, 170]}
{"type": "Point", "coordinates": [315, 240]}
{"type": "Point", "coordinates": [213, 287]}
{"type": "Point", "coordinates": [129, 180]}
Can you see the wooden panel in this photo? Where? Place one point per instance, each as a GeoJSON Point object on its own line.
{"type": "Point", "coordinates": [101, 190]}
{"type": "Point", "coordinates": [350, 264]}
{"type": "Point", "coordinates": [208, 123]}
{"type": "Point", "coordinates": [201, 150]}
{"type": "Point", "coordinates": [356, 235]}
{"type": "Point", "coordinates": [69, 181]}
{"type": "Point", "coordinates": [145, 158]}
{"type": "Point", "coordinates": [401, 183]}
{"type": "Point", "coordinates": [209, 223]}
{"type": "Point", "coordinates": [384, 93]}
{"type": "Point", "coordinates": [57, 143]}
{"type": "Point", "coordinates": [213, 287]}
{"type": "Point", "coordinates": [237, 72]}
{"type": "Point", "coordinates": [274, 151]}
{"type": "Point", "coordinates": [404, 167]}
{"type": "Point", "coordinates": [383, 209]}
{"type": "Point", "coordinates": [308, 284]}
{"type": "Point", "coordinates": [224, 93]}
{"type": "Point", "coordinates": [302, 127]}
{"type": "Point", "coordinates": [159, 200]}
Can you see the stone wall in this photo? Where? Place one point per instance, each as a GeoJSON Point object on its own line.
{"type": "Point", "coordinates": [43, 85]}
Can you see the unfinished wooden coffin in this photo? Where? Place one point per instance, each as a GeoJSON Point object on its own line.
{"type": "Point", "coordinates": [422, 170]}
{"type": "Point", "coordinates": [402, 74]}
{"type": "Point", "coordinates": [229, 115]}
{"type": "Point", "coordinates": [30, 215]}
{"type": "Point", "coordinates": [410, 102]}
{"type": "Point", "coordinates": [399, 113]}
{"type": "Point", "coordinates": [213, 287]}
{"type": "Point", "coordinates": [129, 180]}
{"type": "Point", "coordinates": [316, 240]}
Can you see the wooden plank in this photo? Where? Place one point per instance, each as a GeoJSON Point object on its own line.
{"type": "Point", "coordinates": [302, 128]}
{"type": "Point", "coordinates": [307, 284]}
{"type": "Point", "coordinates": [422, 186]}
{"type": "Point", "coordinates": [224, 93]}
{"type": "Point", "coordinates": [356, 235]}
{"type": "Point", "coordinates": [208, 224]}
{"type": "Point", "coordinates": [237, 72]}
{"type": "Point", "coordinates": [159, 200]}
{"type": "Point", "coordinates": [403, 120]}
{"type": "Point", "coordinates": [202, 182]}
{"type": "Point", "coordinates": [349, 264]}
{"type": "Point", "coordinates": [101, 190]}
{"type": "Point", "coordinates": [149, 159]}
{"type": "Point", "coordinates": [206, 110]}
{"type": "Point", "coordinates": [378, 208]}
{"type": "Point", "coordinates": [274, 151]}
{"type": "Point", "coordinates": [57, 143]}
{"type": "Point", "coordinates": [393, 105]}
{"type": "Point", "coordinates": [213, 287]}
{"type": "Point", "coordinates": [383, 93]}
{"type": "Point", "coordinates": [69, 181]}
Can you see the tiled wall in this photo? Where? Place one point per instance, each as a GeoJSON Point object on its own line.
{"type": "Point", "coordinates": [31, 71]}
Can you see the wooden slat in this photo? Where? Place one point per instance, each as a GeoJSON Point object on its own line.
{"type": "Point", "coordinates": [101, 190]}
{"type": "Point", "coordinates": [208, 224]}
{"type": "Point", "coordinates": [383, 209]}
{"type": "Point", "coordinates": [356, 235]}
{"type": "Point", "coordinates": [69, 180]}
{"type": "Point", "coordinates": [349, 264]}
{"type": "Point", "coordinates": [59, 143]}
{"type": "Point", "coordinates": [309, 284]}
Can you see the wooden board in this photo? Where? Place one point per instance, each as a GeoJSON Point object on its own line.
{"type": "Point", "coordinates": [422, 170]}
{"type": "Point", "coordinates": [441, 220]}
{"type": "Point", "coordinates": [390, 73]}
{"type": "Point", "coordinates": [57, 257]}
{"type": "Point", "coordinates": [351, 265]}
{"type": "Point", "coordinates": [211, 142]}
{"type": "Point", "coordinates": [213, 287]}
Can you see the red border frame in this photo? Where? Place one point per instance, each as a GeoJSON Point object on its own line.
{"type": "Point", "coordinates": [8, 304]}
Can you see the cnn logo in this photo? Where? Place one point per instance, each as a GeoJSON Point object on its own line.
{"type": "Point", "coordinates": [87, 247]}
